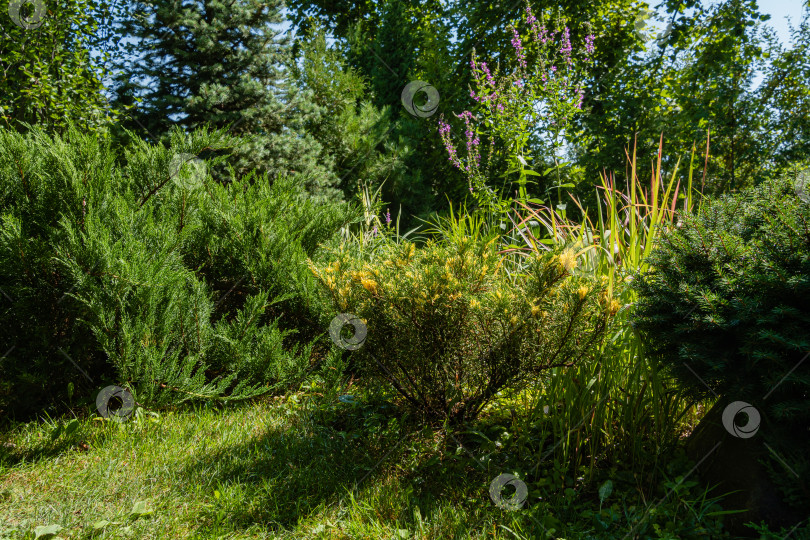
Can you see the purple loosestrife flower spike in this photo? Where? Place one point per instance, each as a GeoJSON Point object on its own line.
{"type": "Point", "coordinates": [530, 18]}
{"type": "Point", "coordinates": [518, 45]}
{"type": "Point", "coordinates": [485, 68]}
{"type": "Point", "coordinates": [566, 46]}
{"type": "Point", "coordinates": [544, 37]}
{"type": "Point", "coordinates": [387, 216]}
{"type": "Point", "coordinates": [444, 132]}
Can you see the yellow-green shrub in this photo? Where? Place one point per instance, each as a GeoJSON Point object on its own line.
{"type": "Point", "coordinates": [449, 329]}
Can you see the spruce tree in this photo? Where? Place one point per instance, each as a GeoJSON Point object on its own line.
{"type": "Point", "coordinates": [222, 64]}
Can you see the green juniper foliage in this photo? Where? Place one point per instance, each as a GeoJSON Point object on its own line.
{"type": "Point", "coordinates": [147, 274]}
{"type": "Point", "coordinates": [729, 299]}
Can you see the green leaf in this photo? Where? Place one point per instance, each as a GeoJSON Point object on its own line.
{"type": "Point", "coordinates": [605, 490]}
{"type": "Point", "coordinates": [140, 509]}
{"type": "Point", "coordinates": [46, 531]}
{"type": "Point", "coordinates": [71, 427]}
{"type": "Point", "coordinates": [98, 525]}
{"type": "Point", "coordinates": [56, 432]}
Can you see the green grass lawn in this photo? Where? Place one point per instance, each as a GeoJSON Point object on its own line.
{"type": "Point", "coordinates": [305, 466]}
{"type": "Point", "coordinates": [264, 470]}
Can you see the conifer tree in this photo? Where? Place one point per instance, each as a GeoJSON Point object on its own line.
{"type": "Point", "coordinates": [222, 64]}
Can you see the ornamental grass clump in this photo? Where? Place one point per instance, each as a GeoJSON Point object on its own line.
{"type": "Point", "coordinates": [448, 329]}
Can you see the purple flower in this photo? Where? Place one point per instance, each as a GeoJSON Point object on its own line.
{"type": "Point", "coordinates": [518, 45]}
{"type": "Point", "coordinates": [485, 69]}
{"type": "Point", "coordinates": [589, 43]}
{"type": "Point", "coordinates": [566, 45]}
{"type": "Point", "coordinates": [530, 18]}
{"type": "Point", "coordinates": [387, 216]}
{"type": "Point", "coordinates": [543, 35]}
{"type": "Point", "coordinates": [444, 127]}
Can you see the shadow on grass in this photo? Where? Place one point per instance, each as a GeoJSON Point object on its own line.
{"type": "Point", "coordinates": [13, 453]}
{"type": "Point", "coordinates": [280, 477]}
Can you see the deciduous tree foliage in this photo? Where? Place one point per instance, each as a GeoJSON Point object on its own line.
{"type": "Point", "coordinates": [694, 77]}
{"type": "Point", "coordinates": [697, 78]}
{"type": "Point", "coordinates": [393, 42]}
{"type": "Point", "coordinates": [48, 75]}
